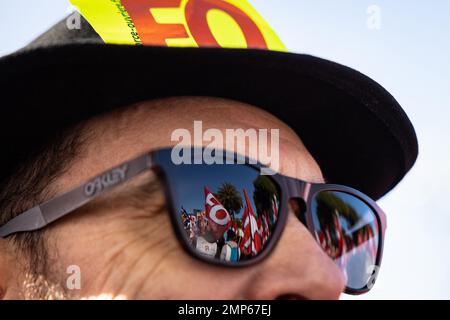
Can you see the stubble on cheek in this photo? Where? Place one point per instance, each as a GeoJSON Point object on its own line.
{"type": "Point", "coordinates": [37, 287]}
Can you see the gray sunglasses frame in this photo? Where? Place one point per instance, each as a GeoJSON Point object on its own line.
{"type": "Point", "coordinates": [44, 214]}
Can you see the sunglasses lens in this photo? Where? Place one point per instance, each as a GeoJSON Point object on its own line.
{"type": "Point", "coordinates": [225, 212]}
{"type": "Point", "coordinates": [347, 229]}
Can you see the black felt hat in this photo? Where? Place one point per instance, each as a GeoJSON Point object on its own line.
{"type": "Point", "coordinates": [354, 128]}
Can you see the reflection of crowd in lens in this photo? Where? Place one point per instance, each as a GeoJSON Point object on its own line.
{"type": "Point", "coordinates": [343, 233]}
{"type": "Point", "coordinates": [228, 227]}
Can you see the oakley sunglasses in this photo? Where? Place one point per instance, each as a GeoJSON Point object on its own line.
{"type": "Point", "coordinates": [228, 213]}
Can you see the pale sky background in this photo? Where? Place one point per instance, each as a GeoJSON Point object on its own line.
{"type": "Point", "coordinates": [409, 56]}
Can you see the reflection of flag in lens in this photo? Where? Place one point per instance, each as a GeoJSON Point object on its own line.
{"type": "Point", "coordinates": [251, 242]}
{"type": "Point", "coordinates": [275, 208]}
{"type": "Point", "coordinates": [340, 249]}
{"type": "Point", "coordinates": [266, 233]}
{"type": "Point", "coordinates": [325, 241]}
{"type": "Point", "coordinates": [218, 217]}
{"type": "Point", "coordinates": [372, 243]}
{"type": "Point", "coordinates": [260, 226]}
{"type": "Point", "coordinates": [339, 235]}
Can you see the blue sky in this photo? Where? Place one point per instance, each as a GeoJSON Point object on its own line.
{"type": "Point", "coordinates": [409, 56]}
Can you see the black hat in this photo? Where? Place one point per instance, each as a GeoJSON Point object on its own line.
{"type": "Point", "coordinates": [353, 127]}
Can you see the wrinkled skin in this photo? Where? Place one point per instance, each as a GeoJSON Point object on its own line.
{"type": "Point", "coordinates": [127, 250]}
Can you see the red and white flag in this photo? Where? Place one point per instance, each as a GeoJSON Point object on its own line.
{"type": "Point", "coordinates": [251, 243]}
{"type": "Point", "coordinates": [266, 228]}
{"type": "Point", "coordinates": [218, 217]}
{"type": "Point", "coordinates": [341, 249]}
{"type": "Point", "coordinates": [260, 226]}
{"type": "Point", "coordinates": [275, 208]}
{"type": "Point", "coordinates": [372, 243]}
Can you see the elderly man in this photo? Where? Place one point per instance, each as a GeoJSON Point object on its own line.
{"type": "Point", "coordinates": [96, 202]}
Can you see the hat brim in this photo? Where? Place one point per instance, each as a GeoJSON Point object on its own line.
{"type": "Point", "coordinates": [355, 129]}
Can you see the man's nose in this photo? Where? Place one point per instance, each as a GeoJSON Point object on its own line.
{"type": "Point", "coordinates": [297, 269]}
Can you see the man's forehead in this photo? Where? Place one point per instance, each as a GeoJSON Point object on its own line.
{"type": "Point", "coordinates": [118, 136]}
{"type": "Point", "coordinates": [183, 110]}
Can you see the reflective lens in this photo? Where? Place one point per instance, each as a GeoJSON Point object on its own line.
{"type": "Point", "coordinates": [348, 231]}
{"type": "Point", "coordinates": [227, 212]}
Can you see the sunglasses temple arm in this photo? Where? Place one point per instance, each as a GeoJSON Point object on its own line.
{"type": "Point", "coordinates": [56, 208]}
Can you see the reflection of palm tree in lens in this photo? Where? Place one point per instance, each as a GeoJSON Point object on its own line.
{"type": "Point", "coordinates": [230, 198]}
{"type": "Point", "coordinates": [328, 202]}
{"type": "Point", "coordinates": [265, 189]}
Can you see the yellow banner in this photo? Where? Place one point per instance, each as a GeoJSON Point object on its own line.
{"type": "Point", "coordinates": [180, 23]}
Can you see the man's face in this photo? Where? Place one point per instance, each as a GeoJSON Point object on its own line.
{"type": "Point", "coordinates": [126, 248]}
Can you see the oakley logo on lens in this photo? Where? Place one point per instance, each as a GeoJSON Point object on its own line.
{"type": "Point", "coordinates": [106, 180]}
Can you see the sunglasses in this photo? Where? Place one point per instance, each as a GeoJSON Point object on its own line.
{"type": "Point", "coordinates": [228, 213]}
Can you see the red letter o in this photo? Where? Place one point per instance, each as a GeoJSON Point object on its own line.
{"type": "Point", "coordinates": [196, 13]}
